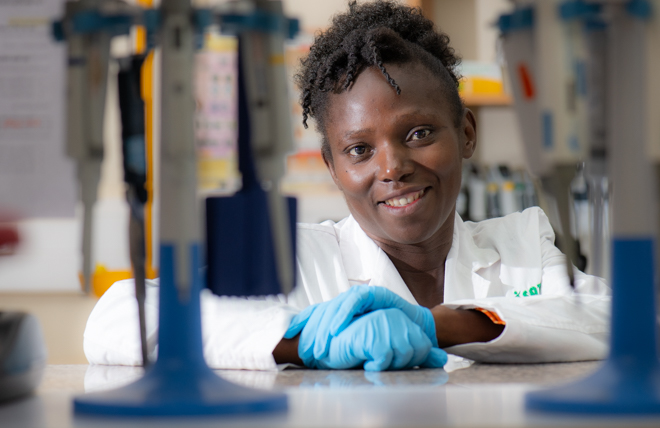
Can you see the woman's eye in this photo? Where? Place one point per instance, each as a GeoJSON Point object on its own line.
{"type": "Point", "coordinates": [419, 134]}
{"type": "Point", "coordinates": [357, 151]}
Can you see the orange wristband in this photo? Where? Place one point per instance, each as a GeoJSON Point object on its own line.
{"type": "Point", "coordinates": [492, 316]}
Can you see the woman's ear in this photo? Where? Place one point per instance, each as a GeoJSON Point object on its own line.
{"type": "Point", "coordinates": [327, 160]}
{"type": "Point", "coordinates": [469, 133]}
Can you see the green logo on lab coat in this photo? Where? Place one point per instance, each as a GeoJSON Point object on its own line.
{"type": "Point", "coordinates": [533, 291]}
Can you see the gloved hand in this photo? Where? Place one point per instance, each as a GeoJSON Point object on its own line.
{"type": "Point", "coordinates": [319, 323]}
{"type": "Point", "coordinates": [385, 339]}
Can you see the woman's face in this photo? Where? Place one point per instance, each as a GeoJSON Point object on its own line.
{"type": "Point", "coordinates": [397, 158]}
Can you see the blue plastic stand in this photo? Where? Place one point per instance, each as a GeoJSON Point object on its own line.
{"type": "Point", "coordinates": [629, 381]}
{"type": "Point", "coordinates": [179, 383]}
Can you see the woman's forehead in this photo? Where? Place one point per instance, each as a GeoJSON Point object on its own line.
{"type": "Point", "coordinates": [371, 95]}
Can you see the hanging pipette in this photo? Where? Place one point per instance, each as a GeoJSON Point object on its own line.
{"type": "Point", "coordinates": [131, 107]}
{"type": "Point", "coordinates": [553, 121]}
{"type": "Point", "coordinates": [272, 139]}
{"type": "Point", "coordinates": [88, 57]}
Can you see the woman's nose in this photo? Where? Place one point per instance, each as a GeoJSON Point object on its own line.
{"type": "Point", "coordinates": [393, 163]}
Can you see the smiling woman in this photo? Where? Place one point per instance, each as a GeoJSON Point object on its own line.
{"type": "Point", "coordinates": [403, 276]}
{"type": "Point", "coordinates": [387, 148]}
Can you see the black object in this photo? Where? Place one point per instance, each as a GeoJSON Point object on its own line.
{"type": "Point", "coordinates": [22, 354]}
{"type": "Point", "coordinates": [239, 245]}
{"type": "Point", "coordinates": [131, 107]}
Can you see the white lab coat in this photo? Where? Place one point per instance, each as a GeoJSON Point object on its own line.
{"type": "Point", "coordinates": [507, 265]}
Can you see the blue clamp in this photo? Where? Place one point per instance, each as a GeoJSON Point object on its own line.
{"type": "Point", "coordinates": [519, 19]}
{"type": "Point", "coordinates": [151, 20]}
{"type": "Point", "coordinates": [578, 9]}
{"type": "Point", "coordinates": [202, 18]}
{"type": "Point", "coordinates": [294, 27]}
{"type": "Point", "coordinates": [57, 30]}
{"type": "Point", "coordinates": [90, 21]}
{"type": "Point", "coordinates": [641, 9]}
{"type": "Point", "coordinates": [259, 21]}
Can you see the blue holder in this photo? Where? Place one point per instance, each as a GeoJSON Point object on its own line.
{"type": "Point", "coordinates": [520, 19]}
{"type": "Point", "coordinates": [629, 381]}
{"type": "Point", "coordinates": [180, 383]}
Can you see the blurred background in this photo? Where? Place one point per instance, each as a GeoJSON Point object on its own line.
{"type": "Point", "coordinates": [39, 216]}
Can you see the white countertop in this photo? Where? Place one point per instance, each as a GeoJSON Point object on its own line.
{"type": "Point", "coordinates": [487, 395]}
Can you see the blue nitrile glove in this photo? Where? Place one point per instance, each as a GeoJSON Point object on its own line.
{"type": "Point", "coordinates": [320, 322]}
{"type": "Point", "coordinates": [385, 339]}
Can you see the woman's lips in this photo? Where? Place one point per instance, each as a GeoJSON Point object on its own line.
{"type": "Point", "coordinates": [405, 200]}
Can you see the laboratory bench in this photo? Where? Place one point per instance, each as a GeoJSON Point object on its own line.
{"type": "Point", "coordinates": [474, 395]}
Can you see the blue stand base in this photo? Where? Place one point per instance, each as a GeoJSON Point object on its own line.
{"type": "Point", "coordinates": [613, 389]}
{"type": "Point", "coordinates": [177, 391]}
{"type": "Point", "coordinates": [629, 381]}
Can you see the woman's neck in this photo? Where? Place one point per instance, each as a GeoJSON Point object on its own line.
{"type": "Point", "coordinates": [422, 265]}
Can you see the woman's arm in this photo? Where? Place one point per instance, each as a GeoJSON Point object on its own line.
{"type": "Point", "coordinates": [287, 352]}
{"type": "Point", "coordinates": [453, 327]}
{"type": "Point", "coordinates": [459, 326]}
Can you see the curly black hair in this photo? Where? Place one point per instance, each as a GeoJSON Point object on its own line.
{"type": "Point", "coordinates": [370, 35]}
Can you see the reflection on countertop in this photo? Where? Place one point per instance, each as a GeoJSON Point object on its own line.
{"type": "Point", "coordinates": [79, 378]}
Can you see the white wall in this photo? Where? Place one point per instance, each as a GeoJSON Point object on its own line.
{"type": "Point", "coordinates": [470, 25]}
{"type": "Point", "coordinates": [499, 140]}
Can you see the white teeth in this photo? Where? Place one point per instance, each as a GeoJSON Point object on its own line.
{"type": "Point", "coordinates": [403, 201]}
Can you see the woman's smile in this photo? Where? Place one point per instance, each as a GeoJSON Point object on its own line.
{"type": "Point", "coordinates": [404, 200]}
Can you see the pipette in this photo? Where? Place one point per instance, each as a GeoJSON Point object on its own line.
{"type": "Point", "coordinates": [628, 381]}
{"type": "Point", "coordinates": [262, 220]}
{"type": "Point", "coordinates": [88, 57]}
{"type": "Point", "coordinates": [135, 175]}
{"type": "Point", "coordinates": [270, 130]}
{"type": "Point", "coordinates": [533, 41]}
{"type": "Point", "coordinates": [179, 382]}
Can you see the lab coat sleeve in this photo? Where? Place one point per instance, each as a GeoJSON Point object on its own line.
{"type": "Point", "coordinates": [558, 325]}
{"type": "Point", "coordinates": [237, 333]}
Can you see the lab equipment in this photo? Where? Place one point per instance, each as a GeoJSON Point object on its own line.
{"type": "Point", "coordinates": [257, 219]}
{"type": "Point", "coordinates": [543, 85]}
{"type": "Point", "coordinates": [509, 202]}
{"type": "Point", "coordinates": [319, 323]}
{"type": "Point", "coordinates": [629, 381]}
{"type": "Point", "coordinates": [131, 107]}
{"type": "Point", "coordinates": [595, 171]}
{"type": "Point", "coordinates": [22, 354]}
{"type": "Point", "coordinates": [494, 191]}
{"type": "Point", "coordinates": [180, 382]}
{"type": "Point", "coordinates": [477, 198]}
{"type": "Point", "coordinates": [492, 200]}
{"type": "Point", "coordinates": [384, 339]}
{"type": "Point", "coordinates": [88, 55]}
{"type": "Point", "coordinates": [261, 61]}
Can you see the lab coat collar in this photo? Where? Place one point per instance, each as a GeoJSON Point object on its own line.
{"type": "Point", "coordinates": [468, 252]}
{"type": "Point", "coordinates": [366, 263]}
{"type": "Point", "coordinates": [464, 264]}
